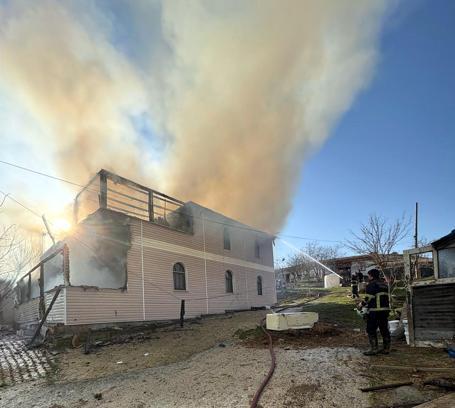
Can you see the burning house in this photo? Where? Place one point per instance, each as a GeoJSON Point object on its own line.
{"type": "Point", "coordinates": [135, 254]}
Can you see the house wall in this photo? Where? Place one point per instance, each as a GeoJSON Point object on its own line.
{"type": "Point", "coordinates": [150, 293]}
{"type": "Point", "coordinates": [28, 312]}
{"type": "Point", "coordinates": [57, 313]}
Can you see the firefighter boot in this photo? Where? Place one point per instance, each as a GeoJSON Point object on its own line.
{"type": "Point", "coordinates": [385, 345]}
{"type": "Point", "coordinates": [373, 339]}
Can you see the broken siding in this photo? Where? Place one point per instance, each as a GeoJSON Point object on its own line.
{"type": "Point", "coordinates": [92, 305]}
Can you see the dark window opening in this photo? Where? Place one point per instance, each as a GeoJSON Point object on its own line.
{"type": "Point", "coordinates": [259, 285]}
{"type": "Point", "coordinates": [229, 282]}
{"type": "Point", "coordinates": [227, 239]}
{"type": "Point", "coordinates": [257, 250]}
{"type": "Point", "coordinates": [179, 276]}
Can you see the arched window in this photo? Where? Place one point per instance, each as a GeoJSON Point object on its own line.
{"type": "Point", "coordinates": [179, 276]}
{"type": "Point", "coordinates": [227, 239]}
{"type": "Point", "coordinates": [228, 282]}
{"type": "Point", "coordinates": [259, 285]}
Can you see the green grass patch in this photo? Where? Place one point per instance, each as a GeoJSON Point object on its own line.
{"type": "Point", "coordinates": [336, 307]}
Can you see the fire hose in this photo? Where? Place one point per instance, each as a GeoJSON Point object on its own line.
{"type": "Point", "coordinates": [265, 381]}
{"type": "Point", "coordinates": [269, 375]}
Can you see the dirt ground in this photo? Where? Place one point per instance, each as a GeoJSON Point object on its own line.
{"type": "Point", "coordinates": [219, 377]}
{"type": "Point", "coordinates": [167, 345]}
{"type": "Point", "coordinates": [220, 361]}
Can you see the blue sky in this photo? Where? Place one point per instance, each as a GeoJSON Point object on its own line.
{"type": "Point", "coordinates": [396, 144]}
{"type": "Point", "coordinates": [392, 148]}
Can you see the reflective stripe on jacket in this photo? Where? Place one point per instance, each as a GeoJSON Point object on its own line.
{"type": "Point", "coordinates": [377, 297]}
{"type": "Point", "coordinates": [381, 299]}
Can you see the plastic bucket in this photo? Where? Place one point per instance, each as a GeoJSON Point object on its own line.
{"type": "Point", "coordinates": [393, 325]}
{"type": "Point", "coordinates": [406, 330]}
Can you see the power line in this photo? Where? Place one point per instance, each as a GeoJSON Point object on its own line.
{"type": "Point", "coordinates": [307, 238]}
{"type": "Point", "coordinates": [40, 173]}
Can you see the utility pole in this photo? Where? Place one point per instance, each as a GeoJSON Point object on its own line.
{"type": "Point", "coordinates": [416, 241]}
{"type": "Point", "coordinates": [416, 224]}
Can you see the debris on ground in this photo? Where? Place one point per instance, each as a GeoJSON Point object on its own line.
{"type": "Point", "coordinates": [322, 333]}
{"type": "Point", "coordinates": [19, 364]}
{"type": "Point", "coordinates": [217, 377]}
{"type": "Point", "coordinates": [227, 358]}
{"type": "Point", "coordinates": [385, 386]}
{"type": "Point", "coordinates": [446, 383]}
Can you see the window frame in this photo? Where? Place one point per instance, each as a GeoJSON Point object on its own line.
{"type": "Point", "coordinates": [174, 273]}
{"type": "Point", "coordinates": [228, 281]}
{"type": "Point", "coordinates": [259, 286]}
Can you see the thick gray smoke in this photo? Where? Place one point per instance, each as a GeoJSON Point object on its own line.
{"type": "Point", "coordinates": [218, 102]}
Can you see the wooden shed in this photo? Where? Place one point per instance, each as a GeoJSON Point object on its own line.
{"type": "Point", "coordinates": [431, 296]}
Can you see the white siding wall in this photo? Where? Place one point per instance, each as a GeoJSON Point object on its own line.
{"type": "Point", "coordinates": [28, 312]}
{"type": "Point", "coordinates": [57, 313]}
{"type": "Point", "coordinates": [150, 294]}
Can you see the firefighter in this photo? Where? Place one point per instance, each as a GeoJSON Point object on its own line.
{"type": "Point", "coordinates": [377, 302]}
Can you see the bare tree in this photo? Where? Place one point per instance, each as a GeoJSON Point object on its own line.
{"type": "Point", "coordinates": [378, 238]}
{"type": "Point", "coordinates": [303, 268]}
{"type": "Point", "coordinates": [17, 253]}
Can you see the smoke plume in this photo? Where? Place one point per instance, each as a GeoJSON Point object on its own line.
{"type": "Point", "coordinates": [217, 102]}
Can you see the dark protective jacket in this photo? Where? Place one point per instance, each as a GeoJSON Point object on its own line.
{"type": "Point", "coordinates": [377, 296]}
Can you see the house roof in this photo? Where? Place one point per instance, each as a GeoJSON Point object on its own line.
{"type": "Point", "coordinates": [445, 240]}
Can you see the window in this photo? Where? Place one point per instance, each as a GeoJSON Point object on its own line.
{"type": "Point", "coordinates": [257, 249]}
{"type": "Point", "coordinates": [179, 276]}
{"type": "Point", "coordinates": [227, 239]}
{"type": "Point", "coordinates": [446, 259]}
{"type": "Point", "coordinates": [228, 282]}
{"type": "Point", "coordinates": [259, 285]}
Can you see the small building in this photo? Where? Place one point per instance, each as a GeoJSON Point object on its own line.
{"type": "Point", "coordinates": [136, 253]}
{"type": "Point", "coordinates": [431, 293]}
{"type": "Point", "coordinates": [344, 268]}
{"type": "Point", "coordinates": [332, 280]}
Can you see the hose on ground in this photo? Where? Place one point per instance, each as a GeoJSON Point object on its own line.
{"type": "Point", "coordinates": [269, 375]}
{"type": "Point", "coordinates": [265, 381]}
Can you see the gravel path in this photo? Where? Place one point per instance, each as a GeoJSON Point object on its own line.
{"type": "Point", "coordinates": [219, 377]}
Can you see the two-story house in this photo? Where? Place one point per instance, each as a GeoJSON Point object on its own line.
{"type": "Point", "coordinates": [136, 253]}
